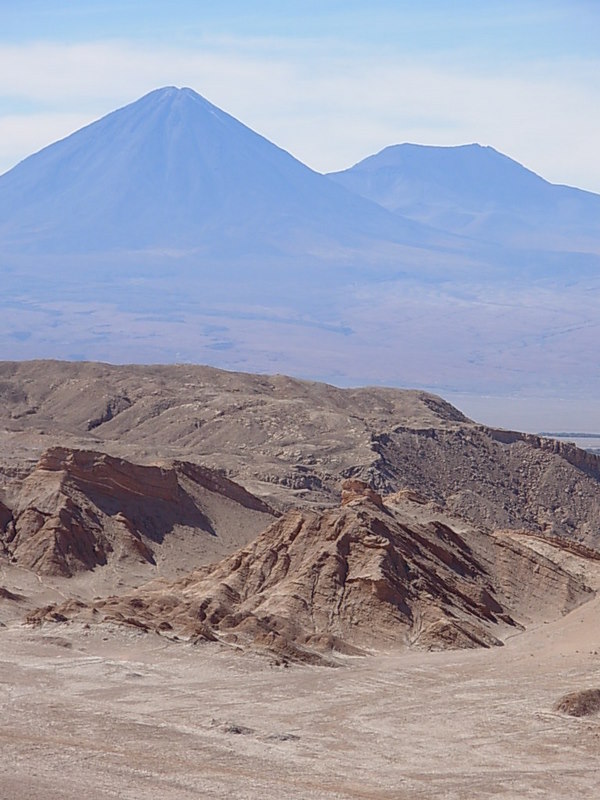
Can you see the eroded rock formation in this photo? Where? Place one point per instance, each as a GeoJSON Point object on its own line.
{"type": "Point", "coordinates": [79, 509]}
{"type": "Point", "coordinates": [348, 579]}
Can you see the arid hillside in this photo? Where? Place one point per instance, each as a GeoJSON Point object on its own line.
{"type": "Point", "coordinates": [111, 476]}
{"type": "Point", "coordinates": [292, 442]}
{"type": "Point", "coordinates": [365, 575]}
{"type": "Point", "coordinates": [79, 509]}
{"type": "Point", "coordinates": [171, 536]}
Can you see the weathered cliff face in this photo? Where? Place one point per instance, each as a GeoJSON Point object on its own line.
{"type": "Point", "coordinates": [494, 479]}
{"type": "Point", "coordinates": [6, 530]}
{"type": "Point", "coordinates": [78, 510]}
{"type": "Point", "coordinates": [586, 462]}
{"type": "Point", "coordinates": [5, 516]}
{"type": "Point", "coordinates": [360, 576]}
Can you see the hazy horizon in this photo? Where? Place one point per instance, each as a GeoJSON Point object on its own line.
{"type": "Point", "coordinates": [468, 277]}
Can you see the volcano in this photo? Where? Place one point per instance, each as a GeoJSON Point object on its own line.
{"type": "Point", "coordinates": [173, 171]}
{"type": "Point", "coordinates": [477, 191]}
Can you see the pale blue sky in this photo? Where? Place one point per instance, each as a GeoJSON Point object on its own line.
{"type": "Point", "coordinates": [330, 81]}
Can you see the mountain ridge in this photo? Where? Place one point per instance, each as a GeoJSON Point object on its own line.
{"type": "Point", "coordinates": [287, 440]}
{"type": "Point", "coordinates": [170, 232]}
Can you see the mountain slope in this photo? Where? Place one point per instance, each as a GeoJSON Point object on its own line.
{"type": "Point", "coordinates": [477, 191]}
{"type": "Point", "coordinates": [172, 171]}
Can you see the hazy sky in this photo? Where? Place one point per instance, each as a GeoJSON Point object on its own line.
{"type": "Point", "coordinates": [331, 81]}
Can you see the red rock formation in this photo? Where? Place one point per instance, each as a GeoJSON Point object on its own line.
{"type": "Point", "coordinates": [78, 509]}
{"type": "Point", "coordinates": [354, 577]}
{"type": "Point", "coordinates": [359, 490]}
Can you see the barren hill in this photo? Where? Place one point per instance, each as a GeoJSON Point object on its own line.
{"type": "Point", "coordinates": [79, 510]}
{"type": "Point", "coordinates": [292, 442]}
{"type": "Point", "coordinates": [363, 575]}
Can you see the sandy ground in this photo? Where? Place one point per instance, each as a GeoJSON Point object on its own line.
{"type": "Point", "coordinates": [109, 713]}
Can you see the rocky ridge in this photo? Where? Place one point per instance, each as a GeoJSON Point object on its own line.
{"type": "Point", "coordinates": [292, 442]}
{"type": "Point", "coordinates": [78, 510]}
{"type": "Point", "coordinates": [361, 576]}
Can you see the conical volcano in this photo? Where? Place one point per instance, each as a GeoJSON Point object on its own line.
{"type": "Point", "coordinates": [174, 171]}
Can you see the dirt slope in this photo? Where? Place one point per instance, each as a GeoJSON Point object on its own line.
{"type": "Point", "coordinates": [364, 575]}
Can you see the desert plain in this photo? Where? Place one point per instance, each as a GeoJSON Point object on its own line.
{"type": "Point", "coordinates": [117, 714]}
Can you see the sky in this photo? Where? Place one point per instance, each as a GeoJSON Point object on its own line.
{"type": "Point", "coordinates": [331, 81]}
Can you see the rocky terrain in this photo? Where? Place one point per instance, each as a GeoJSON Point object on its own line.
{"type": "Point", "coordinates": [292, 442]}
{"type": "Point", "coordinates": [186, 519]}
{"type": "Point", "coordinates": [135, 473]}
{"type": "Point", "coordinates": [349, 580]}
{"type": "Point", "coordinates": [80, 509]}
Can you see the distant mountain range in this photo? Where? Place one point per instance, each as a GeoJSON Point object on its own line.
{"type": "Point", "coordinates": [169, 231]}
{"type": "Point", "coordinates": [173, 171]}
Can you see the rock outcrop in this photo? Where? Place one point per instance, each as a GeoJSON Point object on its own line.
{"type": "Point", "coordinates": [346, 580]}
{"type": "Point", "coordinates": [354, 490]}
{"type": "Point", "coordinates": [583, 703]}
{"type": "Point", "coordinates": [79, 509]}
